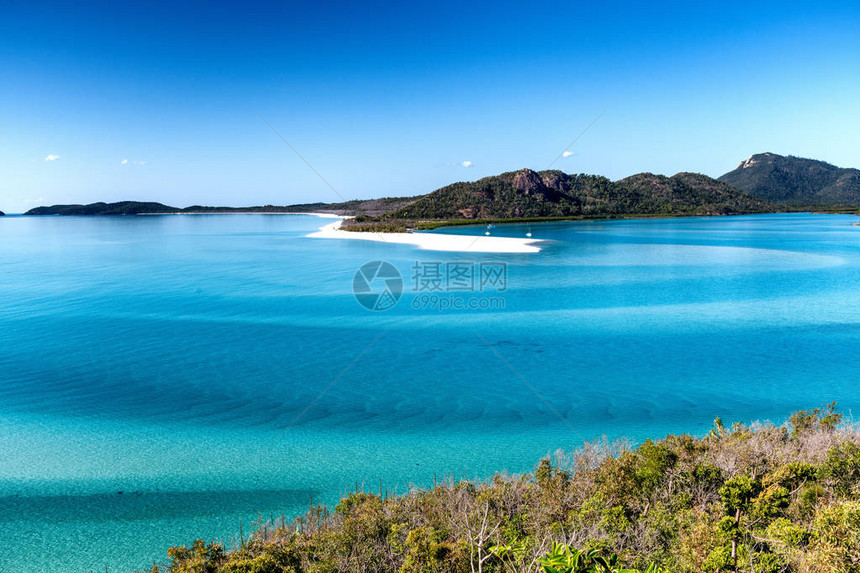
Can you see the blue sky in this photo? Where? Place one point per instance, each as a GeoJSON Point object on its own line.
{"type": "Point", "coordinates": [162, 102]}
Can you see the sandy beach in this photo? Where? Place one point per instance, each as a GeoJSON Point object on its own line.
{"type": "Point", "coordinates": [435, 241]}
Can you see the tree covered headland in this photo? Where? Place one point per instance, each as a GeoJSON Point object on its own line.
{"type": "Point", "coordinates": [751, 498]}
{"type": "Point", "coordinates": [526, 194]}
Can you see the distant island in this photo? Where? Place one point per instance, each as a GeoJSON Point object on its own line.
{"type": "Point", "coordinates": [369, 207]}
{"type": "Point", "coordinates": [147, 208]}
{"type": "Point", "coordinates": [764, 183]}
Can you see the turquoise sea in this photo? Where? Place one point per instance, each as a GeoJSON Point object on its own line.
{"type": "Point", "coordinates": [164, 378]}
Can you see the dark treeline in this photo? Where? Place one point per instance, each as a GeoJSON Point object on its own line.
{"type": "Point", "coordinates": [368, 207]}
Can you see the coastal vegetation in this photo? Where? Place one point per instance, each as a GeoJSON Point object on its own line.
{"type": "Point", "coordinates": [526, 195]}
{"type": "Point", "coordinates": [751, 498]}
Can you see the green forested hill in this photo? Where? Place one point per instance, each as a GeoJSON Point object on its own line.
{"type": "Point", "coordinates": [795, 180]}
{"type": "Point", "coordinates": [690, 193]}
{"type": "Point", "coordinates": [529, 194]}
{"type": "Point", "coordinates": [522, 193]}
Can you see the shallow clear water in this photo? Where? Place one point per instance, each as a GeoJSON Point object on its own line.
{"type": "Point", "coordinates": [215, 369]}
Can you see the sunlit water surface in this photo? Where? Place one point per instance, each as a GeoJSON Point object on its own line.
{"type": "Point", "coordinates": [164, 378]}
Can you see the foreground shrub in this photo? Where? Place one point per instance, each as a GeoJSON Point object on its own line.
{"type": "Point", "coordinates": [760, 498]}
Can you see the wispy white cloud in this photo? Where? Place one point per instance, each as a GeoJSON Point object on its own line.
{"type": "Point", "coordinates": [139, 162]}
{"type": "Point", "coordinates": [124, 162]}
{"type": "Point", "coordinates": [567, 154]}
{"type": "Point", "coordinates": [456, 164]}
{"type": "Point", "coordinates": [52, 157]}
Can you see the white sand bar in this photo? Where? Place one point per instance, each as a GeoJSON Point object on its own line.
{"type": "Point", "coordinates": [435, 241]}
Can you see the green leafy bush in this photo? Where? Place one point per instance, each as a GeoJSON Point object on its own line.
{"type": "Point", "coordinates": [763, 499]}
